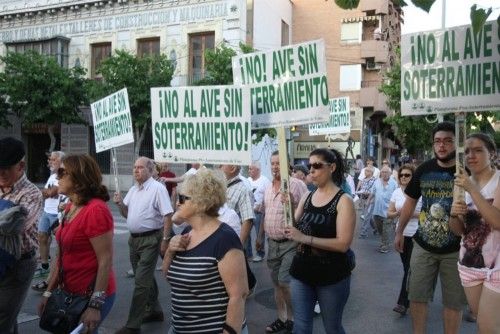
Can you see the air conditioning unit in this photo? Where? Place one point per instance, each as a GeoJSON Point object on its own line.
{"type": "Point", "coordinates": [371, 65]}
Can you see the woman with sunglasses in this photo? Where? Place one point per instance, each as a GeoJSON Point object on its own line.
{"type": "Point", "coordinates": [85, 239]}
{"type": "Point", "coordinates": [477, 220]}
{"type": "Point", "coordinates": [205, 265]}
{"type": "Point", "coordinates": [324, 228]}
{"type": "Point", "coordinates": [398, 198]}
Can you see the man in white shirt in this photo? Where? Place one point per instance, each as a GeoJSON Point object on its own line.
{"type": "Point", "coordinates": [148, 211]}
{"type": "Point", "coordinates": [370, 162]}
{"type": "Point", "coordinates": [259, 183]}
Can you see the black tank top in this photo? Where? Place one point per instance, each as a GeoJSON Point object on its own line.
{"type": "Point", "coordinates": [318, 266]}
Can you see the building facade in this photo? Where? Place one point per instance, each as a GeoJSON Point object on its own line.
{"type": "Point", "coordinates": [85, 32]}
{"type": "Point", "coordinates": [360, 46]}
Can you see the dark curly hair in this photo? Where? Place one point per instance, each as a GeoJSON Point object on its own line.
{"type": "Point", "coordinates": [86, 178]}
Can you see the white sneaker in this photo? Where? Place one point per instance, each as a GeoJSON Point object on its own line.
{"type": "Point", "coordinates": [130, 273]}
{"type": "Point", "coordinates": [257, 258]}
{"type": "Point", "coordinates": [317, 310]}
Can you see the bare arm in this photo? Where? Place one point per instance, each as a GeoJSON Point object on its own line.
{"type": "Point", "coordinates": [117, 198]}
{"type": "Point", "coordinates": [299, 211]}
{"type": "Point", "coordinates": [233, 273]}
{"type": "Point", "coordinates": [177, 179]}
{"type": "Point", "coordinates": [391, 211]}
{"type": "Point", "coordinates": [407, 212]}
{"type": "Point", "coordinates": [489, 212]}
{"type": "Point", "coordinates": [246, 227]}
{"type": "Point", "coordinates": [167, 230]}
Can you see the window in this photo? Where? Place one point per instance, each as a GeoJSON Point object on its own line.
{"type": "Point", "coordinates": [285, 33]}
{"type": "Point", "coordinates": [350, 77]}
{"type": "Point", "coordinates": [198, 44]}
{"type": "Point", "coordinates": [350, 32]}
{"type": "Point", "coordinates": [99, 52]}
{"type": "Point", "coordinates": [57, 47]}
{"type": "Point", "coordinates": [148, 46]}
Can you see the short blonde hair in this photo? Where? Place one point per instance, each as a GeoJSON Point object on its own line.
{"type": "Point", "coordinates": [207, 190]}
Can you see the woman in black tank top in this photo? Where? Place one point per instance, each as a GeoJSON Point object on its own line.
{"type": "Point", "coordinates": [324, 228]}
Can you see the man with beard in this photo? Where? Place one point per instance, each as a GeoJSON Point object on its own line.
{"type": "Point", "coordinates": [436, 248]}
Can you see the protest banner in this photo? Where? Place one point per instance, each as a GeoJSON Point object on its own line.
{"type": "Point", "coordinates": [452, 70]}
{"type": "Point", "coordinates": [112, 121]}
{"type": "Point", "coordinates": [206, 124]}
{"type": "Point", "coordinates": [339, 121]}
{"type": "Point", "coordinates": [288, 86]}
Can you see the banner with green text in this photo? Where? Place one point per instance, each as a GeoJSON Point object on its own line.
{"type": "Point", "coordinates": [339, 121]}
{"type": "Point", "coordinates": [288, 86]}
{"type": "Point", "coordinates": [452, 70]}
{"type": "Point", "coordinates": [112, 121]}
{"type": "Point", "coordinates": [206, 124]}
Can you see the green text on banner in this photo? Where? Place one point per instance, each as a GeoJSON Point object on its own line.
{"type": "Point", "coordinates": [204, 124]}
{"type": "Point", "coordinates": [112, 121]}
{"type": "Point", "coordinates": [339, 121]}
{"type": "Point", "coordinates": [444, 71]}
{"type": "Point", "coordinates": [288, 86]}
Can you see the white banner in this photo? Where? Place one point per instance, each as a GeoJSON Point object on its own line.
{"type": "Point", "coordinates": [206, 124]}
{"type": "Point", "coordinates": [112, 121]}
{"type": "Point", "coordinates": [452, 70]}
{"type": "Point", "coordinates": [288, 86]}
{"type": "Point", "coordinates": [339, 121]}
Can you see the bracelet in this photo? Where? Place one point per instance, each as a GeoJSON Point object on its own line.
{"type": "Point", "coordinates": [167, 238]}
{"type": "Point", "coordinates": [96, 304]}
{"type": "Point", "coordinates": [47, 294]}
{"type": "Point", "coordinates": [229, 329]}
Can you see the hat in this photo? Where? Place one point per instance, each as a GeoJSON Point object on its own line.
{"type": "Point", "coordinates": [11, 151]}
{"type": "Point", "coordinates": [301, 168]}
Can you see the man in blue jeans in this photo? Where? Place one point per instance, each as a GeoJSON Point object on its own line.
{"type": "Point", "coordinates": [259, 184]}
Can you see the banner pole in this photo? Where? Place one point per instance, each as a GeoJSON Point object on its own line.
{"type": "Point", "coordinates": [460, 135]}
{"type": "Point", "coordinates": [114, 166]}
{"type": "Point", "coordinates": [284, 175]}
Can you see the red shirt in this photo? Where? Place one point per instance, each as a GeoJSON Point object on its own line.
{"type": "Point", "coordinates": [170, 185]}
{"type": "Point", "coordinates": [78, 257]}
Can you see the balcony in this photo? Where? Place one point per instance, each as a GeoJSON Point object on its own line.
{"type": "Point", "coordinates": [370, 97]}
{"type": "Point", "coordinates": [378, 50]}
{"type": "Point", "coordinates": [374, 6]}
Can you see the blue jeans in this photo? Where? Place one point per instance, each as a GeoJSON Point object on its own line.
{"type": "Point", "coordinates": [332, 299]}
{"type": "Point", "coordinates": [248, 244]}
{"type": "Point", "coordinates": [106, 308]}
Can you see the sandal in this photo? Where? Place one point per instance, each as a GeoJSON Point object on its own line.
{"type": "Point", "coordinates": [276, 326]}
{"type": "Point", "coordinates": [41, 286]}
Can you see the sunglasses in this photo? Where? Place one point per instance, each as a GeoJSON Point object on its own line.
{"type": "Point", "coordinates": [318, 165]}
{"type": "Point", "coordinates": [404, 175]}
{"type": "Point", "coordinates": [183, 198]}
{"type": "Point", "coordinates": [61, 172]}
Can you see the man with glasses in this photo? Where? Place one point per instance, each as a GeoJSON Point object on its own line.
{"type": "Point", "coordinates": [436, 248]}
{"type": "Point", "coordinates": [22, 199]}
{"type": "Point", "coordinates": [148, 211]}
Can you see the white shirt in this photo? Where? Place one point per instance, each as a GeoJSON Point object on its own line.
{"type": "Point", "coordinates": [147, 205]}
{"type": "Point", "coordinates": [398, 198]}
{"type": "Point", "coordinates": [51, 203]}
{"type": "Point", "coordinates": [258, 188]}
{"type": "Point", "coordinates": [376, 173]}
{"type": "Point", "coordinates": [230, 217]}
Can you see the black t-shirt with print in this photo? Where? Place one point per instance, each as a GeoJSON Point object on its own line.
{"type": "Point", "coordinates": [435, 184]}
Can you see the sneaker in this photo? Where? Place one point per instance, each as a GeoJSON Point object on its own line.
{"type": "Point", "coordinates": [257, 258]}
{"type": "Point", "coordinates": [383, 250]}
{"type": "Point", "coordinates": [289, 326]}
{"type": "Point", "coordinates": [130, 273]}
{"type": "Point", "coordinates": [41, 273]}
{"type": "Point", "coordinates": [317, 309]}
{"type": "Point", "coordinates": [277, 326]}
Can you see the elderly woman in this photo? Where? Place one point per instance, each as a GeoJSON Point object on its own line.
{"type": "Point", "coordinates": [205, 265]}
{"type": "Point", "coordinates": [85, 240]}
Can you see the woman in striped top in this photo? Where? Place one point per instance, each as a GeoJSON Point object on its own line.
{"type": "Point", "coordinates": [205, 265]}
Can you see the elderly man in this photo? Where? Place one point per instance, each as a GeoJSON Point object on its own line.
{"type": "Point", "coordinates": [16, 190]}
{"type": "Point", "coordinates": [148, 211]}
{"type": "Point", "coordinates": [49, 218]}
{"type": "Point", "coordinates": [280, 250]}
{"type": "Point", "coordinates": [259, 184]}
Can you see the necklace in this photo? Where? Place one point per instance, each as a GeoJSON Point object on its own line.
{"type": "Point", "coordinates": [72, 213]}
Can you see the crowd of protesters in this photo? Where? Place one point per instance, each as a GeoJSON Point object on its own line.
{"type": "Point", "coordinates": [200, 225]}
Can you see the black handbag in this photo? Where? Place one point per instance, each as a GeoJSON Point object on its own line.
{"type": "Point", "coordinates": [63, 310]}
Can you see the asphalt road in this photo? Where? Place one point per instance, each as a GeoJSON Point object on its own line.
{"type": "Point", "coordinates": [374, 290]}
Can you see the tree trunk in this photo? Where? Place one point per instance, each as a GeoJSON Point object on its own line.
{"type": "Point", "coordinates": [50, 129]}
{"type": "Point", "coordinates": [140, 138]}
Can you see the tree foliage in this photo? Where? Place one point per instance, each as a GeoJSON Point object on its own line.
{"type": "Point", "coordinates": [37, 89]}
{"type": "Point", "coordinates": [219, 72]}
{"type": "Point", "coordinates": [138, 75]}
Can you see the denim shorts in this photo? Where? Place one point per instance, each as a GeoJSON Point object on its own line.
{"type": "Point", "coordinates": [47, 220]}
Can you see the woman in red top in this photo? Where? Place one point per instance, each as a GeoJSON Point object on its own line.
{"type": "Point", "coordinates": [85, 238]}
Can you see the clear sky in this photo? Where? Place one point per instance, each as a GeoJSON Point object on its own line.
{"type": "Point", "coordinates": [457, 14]}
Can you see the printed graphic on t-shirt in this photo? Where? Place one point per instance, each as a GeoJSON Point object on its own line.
{"type": "Point", "coordinates": [437, 197]}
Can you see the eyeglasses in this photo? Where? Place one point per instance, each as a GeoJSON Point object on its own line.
{"type": "Point", "coordinates": [318, 165]}
{"type": "Point", "coordinates": [404, 175]}
{"type": "Point", "coordinates": [61, 172]}
{"type": "Point", "coordinates": [445, 141]}
{"type": "Point", "coordinates": [183, 198]}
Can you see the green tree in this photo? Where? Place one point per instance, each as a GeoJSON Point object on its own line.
{"type": "Point", "coordinates": [219, 72]}
{"type": "Point", "coordinates": [138, 75]}
{"type": "Point", "coordinates": [478, 16]}
{"type": "Point", "coordinates": [36, 89]}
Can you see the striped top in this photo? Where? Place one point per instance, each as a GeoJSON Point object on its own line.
{"type": "Point", "coordinates": [199, 297]}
